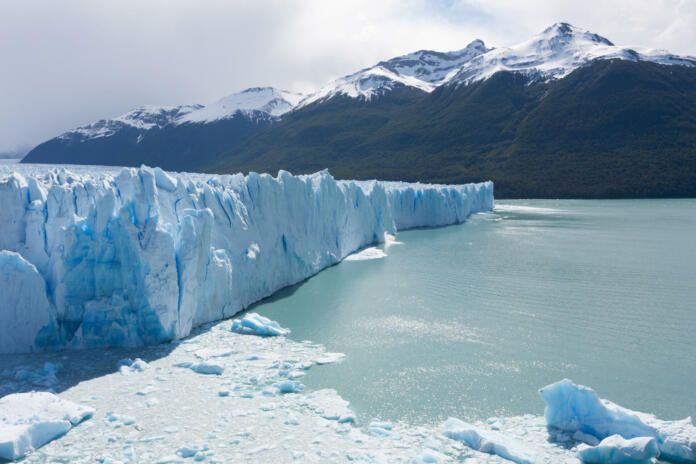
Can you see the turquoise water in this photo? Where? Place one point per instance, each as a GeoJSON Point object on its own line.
{"type": "Point", "coordinates": [471, 320]}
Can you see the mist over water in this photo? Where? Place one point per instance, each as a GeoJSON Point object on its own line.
{"type": "Point", "coordinates": [470, 320]}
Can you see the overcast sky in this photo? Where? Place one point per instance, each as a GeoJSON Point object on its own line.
{"type": "Point", "coordinates": [67, 63]}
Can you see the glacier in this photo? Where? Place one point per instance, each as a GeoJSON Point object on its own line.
{"type": "Point", "coordinates": [93, 256]}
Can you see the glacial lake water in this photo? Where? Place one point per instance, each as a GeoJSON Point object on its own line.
{"type": "Point", "coordinates": [470, 320]}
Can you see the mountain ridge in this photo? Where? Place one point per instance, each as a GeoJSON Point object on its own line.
{"type": "Point", "coordinates": [466, 112]}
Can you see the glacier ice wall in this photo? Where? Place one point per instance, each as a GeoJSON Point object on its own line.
{"type": "Point", "coordinates": [101, 257]}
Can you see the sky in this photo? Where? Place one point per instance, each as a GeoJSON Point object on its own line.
{"type": "Point", "coordinates": [70, 62]}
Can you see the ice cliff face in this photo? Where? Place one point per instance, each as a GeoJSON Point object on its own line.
{"type": "Point", "coordinates": [100, 257]}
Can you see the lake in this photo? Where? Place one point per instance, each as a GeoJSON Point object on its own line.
{"type": "Point", "coordinates": [470, 320]}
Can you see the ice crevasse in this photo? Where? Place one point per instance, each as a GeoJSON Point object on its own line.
{"type": "Point", "coordinates": [98, 256]}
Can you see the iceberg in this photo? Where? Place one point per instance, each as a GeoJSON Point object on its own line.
{"type": "Point", "coordinates": [129, 366]}
{"type": "Point", "coordinates": [96, 256]}
{"type": "Point", "coordinates": [255, 324]}
{"type": "Point", "coordinates": [576, 408]}
{"type": "Point", "coordinates": [488, 441]}
{"type": "Point", "coordinates": [30, 420]}
{"type": "Point", "coordinates": [204, 367]}
{"type": "Point", "coordinates": [617, 450]}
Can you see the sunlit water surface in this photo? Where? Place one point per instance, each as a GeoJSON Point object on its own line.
{"type": "Point", "coordinates": [470, 320]}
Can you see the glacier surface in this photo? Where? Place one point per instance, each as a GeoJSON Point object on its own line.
{"type": "Point", "coordinates": [102, 257]}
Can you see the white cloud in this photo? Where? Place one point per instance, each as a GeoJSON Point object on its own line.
{"type": "Point", "coordinates": [69, 63]}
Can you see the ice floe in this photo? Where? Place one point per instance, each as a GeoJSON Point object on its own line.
{"type": "Point", "coordinates": [30, 420]}
{"type": "Point", "coordinates": [488, 441]}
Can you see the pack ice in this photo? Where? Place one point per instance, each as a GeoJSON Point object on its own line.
{"type": "Point", "coordinates": [101, 257]}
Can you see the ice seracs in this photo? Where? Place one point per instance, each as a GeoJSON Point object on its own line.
{"type": "Point", "coordinates": [574, 408]}
{"type": "Point", "coordinates": [102, 257]}
{"type": "Point", "coordinates": [30, 420]}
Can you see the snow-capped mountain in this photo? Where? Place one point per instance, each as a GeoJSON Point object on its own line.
{"type": "Point", "coordinates": [256, 103]}
{"type": "Point", "coordinates": [552, 54]}
{"type": "Point", "coordinates": [566, 104]}
{"type": "Point", "coordinates": [555, 53]}
{"type": "Point", "coordinates": [423, 70]}
{"type": "Point", "coordinates": [264, 100]}
{"type": "Point", "coordinates": [143, 118]}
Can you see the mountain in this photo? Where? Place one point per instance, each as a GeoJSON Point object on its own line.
{"type": "Point", "coordinates": [564, 114]}
{"type": "Point", "coordinates": [174, 137]}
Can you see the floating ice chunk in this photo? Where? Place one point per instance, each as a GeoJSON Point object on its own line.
{"type": "Point", "coordinates": [329, 405]}
{"type": "Point", "coordinates": [204, 367]}
{"type": "Point", "coordinates": [289, 387]}
{"type": "Point", "coordinates": [30, 420]}
{"type": "Point", "coordinates": [379, 428]}
{"type": "Point", "coordinates": [428, 456]}
{"type": "Point", "coordinates": [118, 420]}
{"type": "Point", "coordinates": [206, 353]}
{"type": "Point", "coordinates": [571, 408]}
{"type": "Point", "coordinates": [45, 377]}
{"type": "Point", "coordinates": [328, 358]}
{"type": "Point", "coordinates": [488, 441]}
{"type": "Point", "coordinates": [367, 253]}
{"type": "Point", "coordinates": [617, 450]}
{"type": "Point", "coordinates": [172, 459]}
{"type": "Point", "coordinates": [255, 324]}
{"type": "Point", "coordinates": [129, 366]}
{"type": "Point", "coordinates": [191, 450]}
{"type": "Point", "coordinates": [147, 390]}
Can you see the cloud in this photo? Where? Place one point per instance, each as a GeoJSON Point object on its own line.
{"type": "Point", "coordinates": [69, 63]}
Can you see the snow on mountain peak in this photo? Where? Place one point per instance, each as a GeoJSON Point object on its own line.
{"type": "Point", "coordinates": [258, 102]}
{"type": "Point", "coordinates": [551, 54]}
{"type": "Point", "coordinates": [143, 118]}
{"type": "Point", "coordinates": [555, 53]}
{"type": "Point", "coordinates": [268, 100]}
{"type": "Point", "coordinates": [424, 70]}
